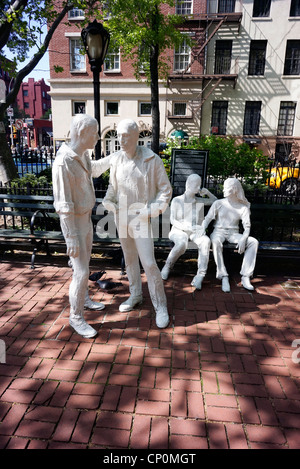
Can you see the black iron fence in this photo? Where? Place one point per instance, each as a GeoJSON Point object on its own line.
{"type": "Point", "coordinates": [30, 161]}
{"type": "Point", "coordinates": [281, 186]}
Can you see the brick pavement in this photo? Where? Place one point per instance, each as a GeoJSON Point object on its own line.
{"type": "Point", "coordinates": [222, 375]}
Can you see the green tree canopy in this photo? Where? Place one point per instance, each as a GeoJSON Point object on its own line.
{"type": "Point", "coordinates": [145, 30]}
{"type": "Point", "coordinates": [22, 24]}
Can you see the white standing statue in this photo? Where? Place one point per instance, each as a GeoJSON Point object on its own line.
{"type": "Point", "coordinates": [187, 214]}
{"type": "Point", "coordinates": [139, 189]}
{"type": "Point", "coordinates": [74, 199]}
{"type": "Point", "coordinates": [228, 213]}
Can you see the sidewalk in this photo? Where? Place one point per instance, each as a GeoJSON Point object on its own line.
{"type": "Point", "coordinates": [224, 374]}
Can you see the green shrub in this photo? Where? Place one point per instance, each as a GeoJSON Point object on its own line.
{"type": "Point", "coordinates": [227, 158]}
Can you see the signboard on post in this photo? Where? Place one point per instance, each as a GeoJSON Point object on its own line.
{"type": "Point", "coordinates": [10, 112]}
{"type": "Point", "coordinates": [19, 124]}
{"type": "Point", "coordinates": [184, 163]}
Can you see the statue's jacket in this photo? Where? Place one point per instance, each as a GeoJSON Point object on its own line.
{"type": "Point", "coordinates": [156, 184]}
{"type": "Point", "coordinates": [73, 188]}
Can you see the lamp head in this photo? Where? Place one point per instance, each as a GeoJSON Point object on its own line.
{"type": "Point", "coordinates": [96, 41]}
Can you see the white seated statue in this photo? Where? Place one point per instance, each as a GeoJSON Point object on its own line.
{"type": "Point", "coordinates": [227, 214]}
{"type": "Point", "coordinates": [74, 199]}
{"type": "Point", "coordinates": [187, 214]}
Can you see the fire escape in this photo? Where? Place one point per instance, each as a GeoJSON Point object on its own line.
{"type": "Point", "coordinates": [208, 71]}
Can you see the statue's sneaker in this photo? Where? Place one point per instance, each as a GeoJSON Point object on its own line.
{"type": "Point", "coordinates": [130, 303]}
{"type": "Point", "coordinates": [90, 304]}
{"type": "Point", "coordinates": [247, 284]}
{"type": "Point", "coordinates": [165, 271]}
{"type": "Point", "coordinates": [225, 284]}
{"type": "Point", "coordinates": [162, 318]}
{"type": "Point", "coordinates": [197, 281]}
{"type": "Point", "coordinates": [82, 328]}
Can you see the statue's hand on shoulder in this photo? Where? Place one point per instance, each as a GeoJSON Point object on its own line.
{"type": "Point", "coordinates": [72, 246]}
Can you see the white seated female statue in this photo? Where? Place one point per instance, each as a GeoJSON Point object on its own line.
{"type": "Point", "coordinates": [228, 213]}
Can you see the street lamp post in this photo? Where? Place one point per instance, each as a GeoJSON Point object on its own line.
{"type": "Point", "coordinates": [96, 40]}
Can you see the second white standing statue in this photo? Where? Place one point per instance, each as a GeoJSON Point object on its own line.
{"type": "Point", "coordinates": [139, 189]}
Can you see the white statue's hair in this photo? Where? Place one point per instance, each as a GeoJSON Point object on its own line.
{"type": "Point", "coordinates": [81, 121]}
{"type": "Point", "coordinates": [193, 178]}
{"type": "Point", "coordinates": [239, 191]}
{"type": "Point", "coordinates": [130, 124]}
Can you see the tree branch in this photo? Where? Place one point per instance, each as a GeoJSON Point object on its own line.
{"type": "Point", "coordinates": [5, 25]}
{"type": "Point", "coordinates": [11, 97]}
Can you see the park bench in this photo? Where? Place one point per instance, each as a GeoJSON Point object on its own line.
{"type": "Point", "coordinates": [276, 226]}
{"type": "Point", "coordinates": [32, 219]}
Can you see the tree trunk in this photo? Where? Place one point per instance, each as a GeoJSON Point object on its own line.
{"type": "Point", "coordinates": [154, 57]}
{"type": "Point", "coordinates": [155, 99]}
{"type": "Point", "coordinates": [8, 169]}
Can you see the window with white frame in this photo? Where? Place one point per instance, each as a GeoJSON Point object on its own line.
{"type": "Point", "coordinates": [79, 107]}
{"type": "Point", "coordinates": [111, 108]}
{"type": "Point", "coordinates": [286, 118]}
{"type": "Point", "coordinates": [179, 109]}
{"type": "Point", "coordinates": [144, 109]}
{"type": "Point", "coordinates": [112, 59]}
{"type": "Point", "coordinates": [184, 7]}
{"type": "Point", "coordinates": [77, 58]}
{"type": "Point", "coordinates": [182, 56]}
{"type": "Point", "coordinates": [76, 13]}
{"type": "Point", "coordinates": [111, 142]}
{"type": "Point", "coordinates": [295, 8]}
{"type": "Point", "coordinates": [145, 138]}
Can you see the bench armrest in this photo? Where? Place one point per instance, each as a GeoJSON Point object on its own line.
{"type": "Point", "coordinates": [32, 221]}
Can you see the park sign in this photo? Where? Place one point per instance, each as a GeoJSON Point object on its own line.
{"type": "Point", "coordinates": [185, 162]}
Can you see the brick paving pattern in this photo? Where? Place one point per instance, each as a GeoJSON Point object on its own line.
{"type": "Point", "coordinates": [224, 374]}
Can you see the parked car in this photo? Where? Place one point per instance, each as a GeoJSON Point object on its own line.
{"type": "Point", "coordinates": [285, 178]}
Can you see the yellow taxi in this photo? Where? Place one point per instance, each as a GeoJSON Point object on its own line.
{"type": "Point", "coordinates": [285, 178]}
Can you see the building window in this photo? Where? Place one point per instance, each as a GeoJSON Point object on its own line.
{"type": "Point", "coordinates": [252, 118]}
{"type": "Point", "coordinates": [286, 118]}
{"type": "Point", "coordinates": [226, 6]}
{"type": "Point", "coordinates": [79, 107]}
{"type": "Point", "coordinates": [295, 8]}
{"type": "Point", "coordinates": [219, 117]}
{"type": "Point", "coordinates": [283, 151]}
{"type": "Point", "coordinates": [261, 8]}
{"type": "Point", "coordinates": [26, 105]}
{"type": "Point", "coordinates": [106, 10]}
{"type": "Point", "coordinates": [182, 57]}
{"type": "Point", "coordinates": [112, 108]}
{"type": "Point", "coordinates": [145, 109]}
{"type": "Point", "coordinates": [111, 142]}
{"type": "Point", "coordinates": [179, 109]}
{"type": "Point", "coordinates": [77, 58]}
{"type": "Point", "coordinates": [257, 58]}
{"type": "Point", "coordinates": [292, 58]}
{"type": "Point", "coordinates": [184, 7]}
{"type": "Point", "coordinates": [145, 139]}
{"type": "Point", "coordinates": [25, 92]}
{"type": "Point", "coordinates": [223, 57]}
{"type": "Point", "coordinates": [112, 59]}
{"type": "Point", "coordinates": [76, 13]}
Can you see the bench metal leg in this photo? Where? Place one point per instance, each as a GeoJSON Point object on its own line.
{"type": "Point", "coordinates": [33, 258]}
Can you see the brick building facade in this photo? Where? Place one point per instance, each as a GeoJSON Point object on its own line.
{"type": "Point", "coordinates": [240, 79]}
